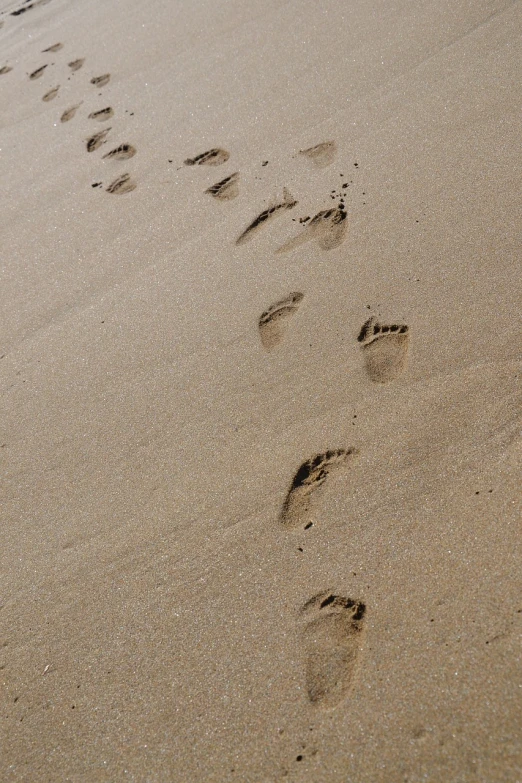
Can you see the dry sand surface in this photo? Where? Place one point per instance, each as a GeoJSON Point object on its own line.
{"type": "Point", "coordinates": [260, 371]}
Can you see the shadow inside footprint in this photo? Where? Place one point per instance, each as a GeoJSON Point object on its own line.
{"type": "Point", "coordinates": [51, 94]}
{"type": "Point", "coordinates": [385, 349]}
{"type": "Point", "coordinates": [123, 184]}
{"type": "Point", "coordinates": [75, 65]}
{"type": "Point", "coordinates": [54, 48]}
{"type": "Point", "coordinates": [328, 228]}
{"type": "Point", "coordinates": [274, 321]}
{"type": "Point", "coordinates": [331, 638]}
{"type": "Point", "coordinates": [39, 72]}
{"type": "Point", "coordinates": [101, 81]}
{"type": "Point", "coordinates": [297, 507]}
{"type": "Point", "coordinates": [101, 114]}
{"type": "Point", "coordinates": [123, 152]}
{"type": "Point", "coordinates": [274, 208]}
{"type": "Point", "coordinates": [226, 189]}
{"type": "Point", "coordinates": [213, 157]}
{"type": "Point", "coordinates": [95, 141]}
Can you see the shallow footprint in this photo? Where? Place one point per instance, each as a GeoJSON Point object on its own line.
{"type": "Point", "coordinates": [97, 140]}
{"type": "Point", "coordinates": [328, 227]}
{"type": "Point", "coordinates": [226, 189]}
{"type": "Point", "coordinates": [101, 81]}
{"type": "Point", "coordinates": [101, 114]}
{"type": "Point", "coordinates": [331, 638]}
{"type": "Point", "coordinates": [385, 349]}
{"type": "Point", "coordinates": [39, 71]}
{"type": "Point", "coordinates": [271, 211]}
{"type": "Point", "coordinates": [321, 155]}
{"type": "Point", "coordinates": [54, 48]}
{"type": "Point", "coordinates": [69, 113]}
{"type": "Point", "coordinates": [213, 157]}
{"type": "Point", "coordinates": [5, 69]}
{"type": "Point", "coordinates": [123, 184]}
{"type": "Point", "coordinates": [76, 64]}
{"type": "Point", "coordinates": [51, 94]}
{"type": "Point", "coordinates": [273, 322]}
{"type": "Point", "coordinates": [307, 482]}
{"type": "Point", "coordinates": [123, 152]}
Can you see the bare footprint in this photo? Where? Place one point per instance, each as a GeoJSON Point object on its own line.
{"type": "Point", "coordinates": [213, 157]}
{"type": "Point", "coordinates": [328, 228]}
{"type": "Point", "coordinates": [101, 114]}
{"type": "Point", "coordinates": [5, 69]}
{"type": "Point", "coordinates": [75, 65]}
{"type": "Point", "coordinates": [274, 321]}
{"type": "Point", "coordinates": [321, 155]}
{"type": "Point", "coordinates": [385, 349]}
{"type": "Point", "coordinates": [39, 72]}
{"type": "Point", "coordinates": [123, 152]}
{"type": "Point", "coordinates": [51, 94]}
{"type": "Point", "coordinates": [331, 637]}
{"type": "Point", "coordinates": [123, 184]}
{"type": "Point", "coordinates": [101, 81]}
{"type": "Point", "coordinates": [272, 210]}
{"type": "Point", "coordinates": [308, 480]}
{"type": "Point", "coordinates": [54, 48]}
{"type": "Point", "coordinates": [226, 189]}
{"type": "Point", "coordinates": [97, 140]}
{"type": "Point", "coordinates": [69, 113]}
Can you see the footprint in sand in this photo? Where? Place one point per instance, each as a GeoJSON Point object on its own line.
{"type": "Point", "coordinates": [321, 155]}
{"type": "Point", "coordinates": [123, 152]}
{"type": "Point", "coordinates": [101, 114]}
{"type": "Point", "coordinates": [101, 81]}
{"type": "Point", "coordinates": [51, 94]}
{"type": "Point", "coordinates": [273, 323]}
{"type": "Point", "coordinates": [306, 485]}
{"type": "Point", "coordinates": [213, 157]}
{"type": "Point", "coordinates": [97, 140]}
{"type": "Point", "coordinates": [54, 48]}
{"type": "Point", "coordinates": [332, 635]}
{"type": "Point", "coordinates": [226, 189]}
{"type": "Point", "coordinates": [75, 65]}
{"type": "Point", "coordinates": [272, 210]}
{"type": "Point", "coordinates": [5, 69]}
{"type": "Point", "coordinates": [39, 72]}
{"type": "Point", "coordinates": [69, 113]}
{"type": "Point", "coordinates": [385, 349]}
{"type": "Point", "coordinates": [124, 184]}
{"type": "Point", "coordinates": [328, 227]}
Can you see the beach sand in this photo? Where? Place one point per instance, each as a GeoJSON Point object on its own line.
{"type": "Point", "coordinates": [260, 498]}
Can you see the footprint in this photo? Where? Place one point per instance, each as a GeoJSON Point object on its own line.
{"type": "Point", "coordinates": [123, 184]}
{"type": "Point", "coordinates": [101, 81]}
{"type": "Point", "coordinates": [101, 114]}
{"type": "Point", "coordinates": [213, 157]}
{"type": "Point", "coordinates": [321, 155]}
{"type": "Point", "coordinates": [226, 189]}
{"type": "Point", "coordinates": [97, 140]}
{"type": "Point", "coordinates": [69, 113]}
{"type": "Point", "coordinates": [51, 94]}
{"type": "Point", "coordinates": [331, 636]}
{"type": "Point", "coordinates": [76, 64]}
{"type": "Point", "coordinates": [310, 477]}
{"type": "Point", "coordinates": [39, 71]}
{"type": "Point", "coordinates": [5, 69]}
{"type": "Point", "coordinates": [54, 48]}
{"type": "Point", "coordinates": [122, 152]}
{"type": "Point", "coordinates": [328, 227]}
{"type": "Point", "coordinates": [385, 349]}
{"type": "Point", "coordinates": [288, 202]}
{"type": "Point", "coordinates": [274, 321]}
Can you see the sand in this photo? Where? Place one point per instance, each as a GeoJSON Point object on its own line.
{"type": "Point", "coordinates": [260, 499]}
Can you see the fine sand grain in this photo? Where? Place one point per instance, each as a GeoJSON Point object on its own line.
{"type": "Point", "coordinates": [260, 373]}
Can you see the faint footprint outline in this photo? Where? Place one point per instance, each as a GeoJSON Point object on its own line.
{"type": "Point", "coordinates": [51, 94]}
{"type": "Point", "coordinates": [385, 349]}
{"type": "Point", "coordinates": [321, 155]}
{"type": "Point", "coordinates": [101, 81]}
{"type": "Point", "coordinates": [273, 209]}
{"type": "Point", "coordinates": [332, 631]}
{"type": "Point", "coordinates": [306, 485]}
{"type": "Point", "coordinates": [328, 227]}
{"type": "Point", "coordinates": [273, 322]}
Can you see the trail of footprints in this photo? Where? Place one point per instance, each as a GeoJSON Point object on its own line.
{"type": "Point", "coordinates": [331, 627]}
{"type": "Point", "coordinates": [123, 150]}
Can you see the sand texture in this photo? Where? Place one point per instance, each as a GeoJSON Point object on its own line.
{"type": "Point", "coordinates": [261, 408]}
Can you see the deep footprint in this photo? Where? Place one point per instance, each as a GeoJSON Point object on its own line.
{"type": "Point", "coordinates": [321, 155]}
{"type": "Point", "coordinates": [101, 81]}
{"type": "Point", "coordinates": [331, 637]}
{"type": "Point", "coordinates": [306, 485]}
{"type": "Point", "coordinates": [123, 184]}
{"type": "Point", "coordinates": [273, 323]}
{"type": "Point", "coordinates": [226, 189]}
{"type": "Point", "coordinates": [97, 140]}
{"type": "Point", "coordinates": [101, 114]}
{"type": "Point", "coordinates": [39, 72]}
{"type": "Point", "coordinates": [328, 228]}
{"type": "Point", "coordinates": [274, 209]}
{"type": "Point", "coordinates": [123, 152]}
{"type": "Point", "coordinates": [385, 349]}
{"type": "Point", "coordinates": [213, 157]}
